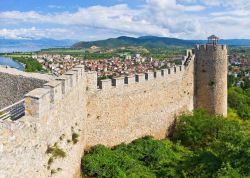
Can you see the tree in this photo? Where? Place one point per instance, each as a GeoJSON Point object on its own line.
{"type": "Point", "coordinates": [231, 81]}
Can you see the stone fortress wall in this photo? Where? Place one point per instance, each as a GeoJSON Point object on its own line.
{"type": "Point", "coordinates": [15, 84]}
{"type": "Point", "coordinates": [123, 111]}
{"type": "Point", "coordinates": [119, 110]}
{"type": "Point", "coordinates": [53, 114]}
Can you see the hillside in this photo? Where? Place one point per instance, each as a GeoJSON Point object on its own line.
{"type": "Point", "coordinates": [153, 42]}
{"type": "Point", "coordinates": [146, 41]}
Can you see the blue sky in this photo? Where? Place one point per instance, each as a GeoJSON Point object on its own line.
{"type": "Point", "coordinates": [59, 5]}
{"type": "Point", "coordinates": [99, 19]}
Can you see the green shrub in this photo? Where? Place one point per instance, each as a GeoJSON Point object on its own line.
{"type": "Point", "coordinates": [31, 65]}
{"type": "Point", "coordinates": [214, 147]}
{"type": "Point", "coordinates": [144, 157]}
{"type": "Point", "coordinates": [226, 171]}
{"type": "Point", "coordinates": [214, 141]}
{"type": "Point", "coordinates": [162, 157]}
{"type": "Point", "coordinates": [239, 100]}
{"type": "Point", "coordinates": [197, 130]}
{"type": "Point", "coordinates": [55, 151]}
{"type": "Point", "coordinates": [75, 137]}
{"type": "Point", "coordinates": [103, 162]}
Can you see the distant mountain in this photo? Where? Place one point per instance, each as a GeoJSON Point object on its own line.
{"type": "Point", "coordinates": [146, 41]}
{"type": "Point", "coordinates": [236, 42]}
{"type": "Point", "coordinates": [152, 41]}
{"type": "Point", "coordinates": [22, 45]}
{"type": "Point", "coordinates": [13, 45]}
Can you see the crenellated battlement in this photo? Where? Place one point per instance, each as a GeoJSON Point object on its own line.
{"type": "Point", "coordinates": [150, 76]}
{"type": "Point", "coordinates": [108, 112]}
{"type": "Point", "coordinates": [39, 101]}
{"type": "Point", "coordinates": [211, 68]}
{"type": "Point", "coordinates": [210, 47]}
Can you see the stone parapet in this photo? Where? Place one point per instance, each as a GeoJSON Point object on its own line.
{"type": "Point", "coordinates": [139, 77]}
{"type": "Point", "coordinates": [164, 72]}
{"type": "Point", "coordinates": [106, 84]}
{"type": "Point", "coordinates": [129, 80]}
{"type": "Point", "coordinates": [92, 80]}
{"type": "Point", "coordinates": [169, 74]}
{"type": "Point", "coordinates": [78, 72]}
{"type": "Point", "coordinates": [81, 69]}
{"type": "Point", "coordinates": [209, 47]}
{"type": "Point", "coordinates": [65, 80]}
{"type": "Point", "coordinates": [73, 77]}
{"type": "Point", "coordinates": [62, 86]}
{"type": "Point", "coordinates": [118, 82]}
{"type": "Point", "coordinates": [55, 88]}
{"type": "Point", "coordinates": [39, 101]}
{"type": "Point", "coordinates": [158, 74]}
{"type": "Point", "coordinates": [149, 75]}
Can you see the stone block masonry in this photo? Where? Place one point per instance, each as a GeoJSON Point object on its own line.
{"type": "Point", "coordinates": [15, 84]}
{"type": "Point", "coordinates": [128, 110]}
{"type": "Point", "coordinates": [116, 111]}
{"type": "Point", "coordinates": [53, 114]}
{"type": "Point", "coordinates": [211, 78]}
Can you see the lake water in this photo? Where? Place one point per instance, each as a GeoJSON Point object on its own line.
{"type": "Point", "coordinates": [11, 63]}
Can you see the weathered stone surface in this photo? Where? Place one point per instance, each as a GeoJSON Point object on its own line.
{"type": "Point", "coordinates": [211, 78]}
{"type": "Point", "coordinates": [147, 107]}
{"type": "Point", "coordinates": [23, 143]}
{"type": "Point", "coordinates": [130, 109]}
{"type": "Point", "coordinates": [15, 84]}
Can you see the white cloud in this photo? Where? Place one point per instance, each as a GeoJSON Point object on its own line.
{"type": "Point", "coordinates": [181, 18]}
{"type": "Point", "coordinates": [231, 4]}
{"type": "Point", "coordinates": [234, 13]}
{"type": "Point", "coordinates": [118, 18]}
{"type": "Point", "coordinates": [172, 5]}
{"type": "Point", "coordinates": [32, 33]}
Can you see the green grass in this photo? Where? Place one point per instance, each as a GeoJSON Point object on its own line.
{"type": "Point", "coordinates": [75, 137]}
{"type": "Point", "coordinates": [13, 55]}
{"type": "Point", "coordinates": [50, 161]}
{"type": "Point", "coordinates": [55, 151]}
{"type": "Point", "coordinates": [72, 52]}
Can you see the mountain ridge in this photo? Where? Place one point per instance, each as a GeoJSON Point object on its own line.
{"type": "Point", "coordinates": [153, 41]}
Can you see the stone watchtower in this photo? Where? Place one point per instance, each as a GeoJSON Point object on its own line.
{"type": "Point", "coordinates": [211, 66]}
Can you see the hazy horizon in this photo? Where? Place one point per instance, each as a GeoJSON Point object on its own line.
{"type": "Point", "coordinates": [99, 39]}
